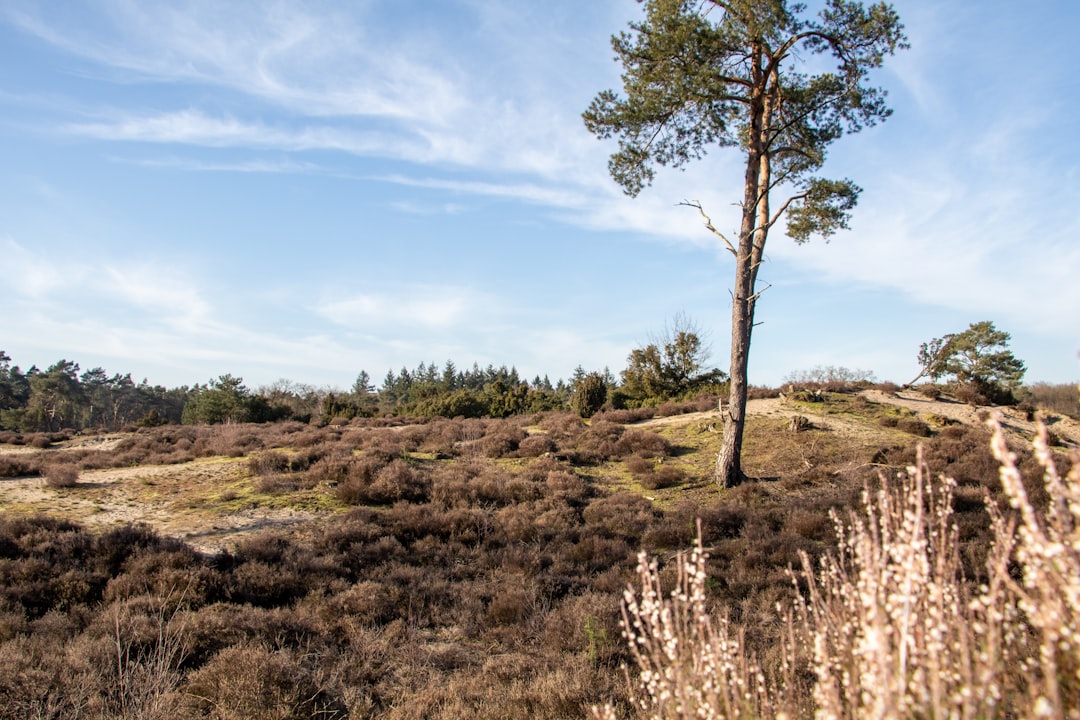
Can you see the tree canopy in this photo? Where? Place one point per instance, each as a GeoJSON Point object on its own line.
{"type": "Point", "coordinates": [671, 367]}
{"type": "Point", "coordinates": [978, 357]}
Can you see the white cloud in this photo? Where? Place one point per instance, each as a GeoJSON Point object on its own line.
{"type": "Point", "coordinates": [194, 127]}
{"type": "Point", "coordinates": [252, 166]}
{"type": "Point", "coordinates": [324, 63]}
{"type": "Point", "coordinates": [436, 308]}
{"type": "Point", "coordinates": [33, 276]}
{"type": "Point", "coordinates": [168, 296]}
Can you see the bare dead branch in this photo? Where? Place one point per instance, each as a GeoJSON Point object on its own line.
{"type": "Point", "coordinates": [709, 225]}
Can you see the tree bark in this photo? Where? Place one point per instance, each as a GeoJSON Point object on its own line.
{"type": "Point", "coordinates": [729, 471]}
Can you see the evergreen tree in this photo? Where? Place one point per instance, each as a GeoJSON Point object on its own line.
{"type": "Point", "coordinates": [589, 396]}
{"type": "Point", "coordinates": [748, 74]}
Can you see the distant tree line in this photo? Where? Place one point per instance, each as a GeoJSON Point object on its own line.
{"type": "Point", "coordinates": [62, 397]}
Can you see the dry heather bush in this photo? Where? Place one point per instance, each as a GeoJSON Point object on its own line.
{"type": "Point", "coordinates": [41, 440]}
{"type": "Point", "coordinates": [638, 465]}
{"type": "Point", "coordinates": [652, 476]}
{"type": "Point", "coordinates": [625, 417]}
{"type": "Point", "coordinates": [251, 680]}
{"type": "Point", "coordinates": [625, 515]}
{"type": "Point", "coordinates": [644, 443]}
{"type": "Point", "coordinates": [11, 466]}
{"type": "Point", "coordinates": [599, 443]}
{"type": "Point", "coordinates": [914, 426]}
{"type": "Point", "coordinates": [500, 440]}
{"type": "Point", "coordinates": [61, 475]}
{"type": "Point", "coordinates": [561, 425]}
{"type": "Point", "coordinates": [535, 446]}
{"type": "Point", "coordinates": [756, 392]}
{"type": "Point", "coordinates": [271, 462]}
{"type": "Point", "coordinates": [930, 391]}
{"type": "Point", "coordinates": [887, 626]}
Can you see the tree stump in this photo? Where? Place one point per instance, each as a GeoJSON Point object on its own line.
{"type": "Point", "coordinates": [798, 423]}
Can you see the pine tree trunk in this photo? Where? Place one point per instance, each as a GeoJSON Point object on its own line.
{"type": "Point", "coordinates": [728, 464]}
{"type": "Point", "coordinates": [752, 234]}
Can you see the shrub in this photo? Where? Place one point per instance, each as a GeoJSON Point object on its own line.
{"type": "Point", "coordinates": [638, 465]}
{"type": "Point", "coordinates": [589, 395]}
{"type": "Point", "coordinates": [600, 442]}
{"type": "Point", "coordinates": [250, 680]}
{"type": "Point", "coordinates": [625, 417]}
{"type": "Point", "coordinates": [929, 390]}
{"type": "Point", "coordinates": [271, 462]}
{"type": "Point", "coordinates": [664, 476]}
{"type": "Point", "coordinates": [61, 475]}
{"type": "Point", "coordinates": [14, 466]}
{"type": "Point", "coordinates": [644, 443]}
{"type": "Point", "coordinates": [624, 515]}
{"type": "Point", "coordinates": [41, 441]}
{"type": "Point", "coordinates": [373, 480]}
{"type": "Point", "coordinates": [501, 440]}
{"type": "Point", "coordinates": [535, 446]}
{"type": "Point", "coordinates": [913, 426]}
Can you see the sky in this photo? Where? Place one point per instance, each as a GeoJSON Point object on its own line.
{"type": "Point", "coordinates": [303, 190]}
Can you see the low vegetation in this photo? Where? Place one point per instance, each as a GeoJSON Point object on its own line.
{"type": "Point", "coordinates": [444, 567]}
{"type": "Point", "coordinates": [465, 567]}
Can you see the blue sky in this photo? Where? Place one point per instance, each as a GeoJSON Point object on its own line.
{"type": "Point", "coordinates": [303, 190]}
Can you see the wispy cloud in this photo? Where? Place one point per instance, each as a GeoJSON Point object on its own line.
{"type": "Point", "coordinates": [33, 276]}
{"type": "Point", "coordinates": [63, 286]}
{"type": "Point", "coordinates": [251, 166]}
{"type": "Point", "coordinates": [441, 308]}
{"type": "Point", "coordinates": [193, 127]}
{"type": "Point", "coordinates": [323, 63]}
{"type": "Point", "coordinates": [342, 86]}
{"type": "Point", "coordinates": [525, 192]}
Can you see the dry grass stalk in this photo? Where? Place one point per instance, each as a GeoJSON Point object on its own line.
{"type": "Point", "coordinates": [146, 680]}
{"type": "Point", "coordinates": [692, 664]}
{"type": "Point", "coordinates": [889, 627]}
{"type": "Point", "coordinates": [1048, 552]}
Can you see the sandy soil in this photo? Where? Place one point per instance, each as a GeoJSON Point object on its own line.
{"type": "Point", "coordinates": [1018, 428]}
{"type": "Point", "coordinates": [204, 502]}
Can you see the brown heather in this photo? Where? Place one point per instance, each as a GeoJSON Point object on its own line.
{"type": "Point", "coordinates": [463, 576]}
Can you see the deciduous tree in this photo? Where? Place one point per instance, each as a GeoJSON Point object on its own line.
{"type": "Point", "coordinates": [748, 74]}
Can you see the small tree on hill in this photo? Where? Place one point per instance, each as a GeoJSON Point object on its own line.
{"type": "Point", "coordinates": [977, 358]}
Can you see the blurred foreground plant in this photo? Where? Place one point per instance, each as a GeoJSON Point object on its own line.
{"type": "Point", "coordinates": [888, 627]}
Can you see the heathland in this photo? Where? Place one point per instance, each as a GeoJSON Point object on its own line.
{"type": "Point", "coordinates": [434, 567]}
